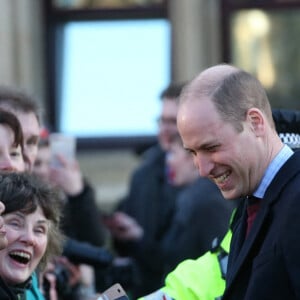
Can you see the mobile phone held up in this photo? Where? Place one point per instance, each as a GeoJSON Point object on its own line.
{"type": "Point", "coordinates": [61, 145]}
{"type": "Point", "coordinates": [115, 292]}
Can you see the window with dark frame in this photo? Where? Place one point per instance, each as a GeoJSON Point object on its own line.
{"type": "Point", "coordinates": [262, 37]}
{"type": "Point", "coordinates": [138, 32]}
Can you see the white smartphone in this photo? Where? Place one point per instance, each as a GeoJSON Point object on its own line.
{"type": "Point", "coordinates": [115, 292]}
{"type": "Point", "coordinates": [61, 144]}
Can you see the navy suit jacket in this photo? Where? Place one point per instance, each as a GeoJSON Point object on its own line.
{"type": "Point", "coordinates": [266, 265]}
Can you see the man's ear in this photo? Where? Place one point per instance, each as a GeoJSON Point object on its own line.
{"type": "Point", "coordinates": [256, 120]}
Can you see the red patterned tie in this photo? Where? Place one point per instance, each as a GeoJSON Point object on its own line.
{"type": "Point", "coordinates": [252, 209]}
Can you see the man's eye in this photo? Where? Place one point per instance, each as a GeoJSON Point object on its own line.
{"type": "Point", "coordinates": [15, 153]}
{"type": "Point", "coordinates": [32, 142]}
{"type": "Point", "coordinates": [191, 152]}
{"type": "Point", "coordinates": [212, 148]}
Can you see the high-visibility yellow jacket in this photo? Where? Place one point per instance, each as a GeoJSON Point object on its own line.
{"type": "Point", "coordinates": [201, 279]}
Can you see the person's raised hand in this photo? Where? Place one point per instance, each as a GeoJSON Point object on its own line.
{"type": "Point", "coordinates": [124, 227]}
{"type": "Point", "coordinates": [67, 176]}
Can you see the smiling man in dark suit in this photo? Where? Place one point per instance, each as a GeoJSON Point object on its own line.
{"type": "Point", "coordinates": [225, 121]}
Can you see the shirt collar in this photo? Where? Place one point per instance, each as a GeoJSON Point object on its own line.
{"type": "Point", "coordinates": [284, 154]}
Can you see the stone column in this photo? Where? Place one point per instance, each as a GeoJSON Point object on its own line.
{"type": "Point", "coordinates": [21, 46]}
{"type": "Point", "coordinates": [195, 36]}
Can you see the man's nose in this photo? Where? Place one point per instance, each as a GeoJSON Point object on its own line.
{"type": "Point", "coordinates": [7, 165]}
{"type": "Point", "coordinates": [204, 165]}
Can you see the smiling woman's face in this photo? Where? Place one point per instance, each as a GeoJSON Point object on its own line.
{"type": "Point", "coordinates": [27, 237]}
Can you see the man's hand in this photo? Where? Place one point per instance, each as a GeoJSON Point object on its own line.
{"type": "Point", "coordinates": [124, 227]}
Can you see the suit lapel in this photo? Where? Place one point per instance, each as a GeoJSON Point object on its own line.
{"type": "Point", "coordinates": [240, 251]}
{"type": "Point", "coordinates": [243, 246]}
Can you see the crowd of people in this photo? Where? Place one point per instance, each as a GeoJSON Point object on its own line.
{"type": "Point", "coordinates": [211, 211]}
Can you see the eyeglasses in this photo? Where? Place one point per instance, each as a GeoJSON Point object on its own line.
{"type": "Point", "coordinates": [162, 121]}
